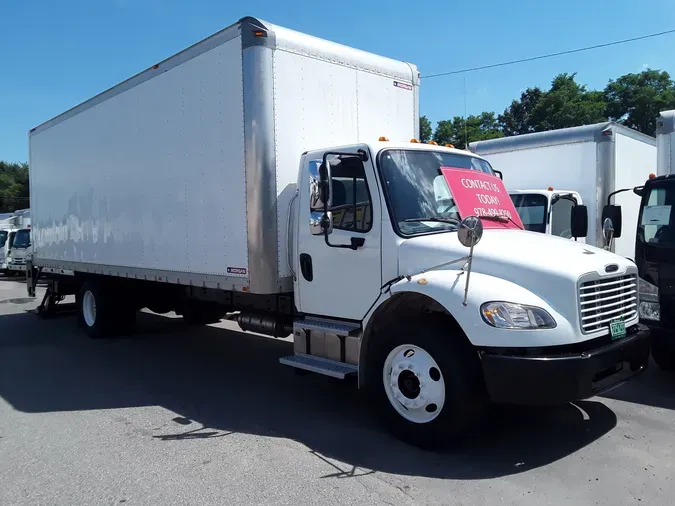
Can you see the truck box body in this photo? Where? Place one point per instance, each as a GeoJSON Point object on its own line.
{"type": "Point", "coordinates": [594, 160]}
{"type": "Point", "coordinates": [665, 142]}
{"type": "Point", "coordinates": [184, 172]}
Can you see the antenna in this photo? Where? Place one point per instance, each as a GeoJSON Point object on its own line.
{"type": "Point", "coordinates": [466, 128]}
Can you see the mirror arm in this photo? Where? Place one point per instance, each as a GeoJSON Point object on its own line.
{"type": "Point", "coordinates": [609, 197]}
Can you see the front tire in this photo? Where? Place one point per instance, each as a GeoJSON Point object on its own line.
{"type": "Point", "coordinates": [426, 382]}
{"type": "Point", "coordinates": [663, 355]}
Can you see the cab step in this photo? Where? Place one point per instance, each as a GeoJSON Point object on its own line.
{"type": "Point", "coordinates": [320, 365]}
{"type": "Point", "coordinates": [329, 326]}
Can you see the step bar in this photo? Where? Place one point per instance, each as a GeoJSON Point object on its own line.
{"type": "Point", "coordinates": [320, 365]}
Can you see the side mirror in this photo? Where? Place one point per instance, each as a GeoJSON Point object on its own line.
{"type": "Point", "coordinates": [579, 221]}
{"type": "Point", "coordinates": [608, 232]}
{"type": "Point", "coordinates": [320, 219]}
{"type": "Point", "coordinates": [319, 187]}
{"type": "Point", "coordinates": [613, 212]}
{"type": "Point", "coordinates": [499, 174]}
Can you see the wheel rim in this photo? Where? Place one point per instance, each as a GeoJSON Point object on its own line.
{"type": "Point", "coordinates": [414, 383]}
{"type": "Point", "coordinates": [89, 308]}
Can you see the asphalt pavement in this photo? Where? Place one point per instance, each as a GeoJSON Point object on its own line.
{"type": "Point", "coordinates": [177, 415]}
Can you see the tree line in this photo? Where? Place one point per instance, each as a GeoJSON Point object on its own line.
{"type": "Point", "coordinates": [633, 100]}
{"type": "Point", "coordinates": [13, 186]}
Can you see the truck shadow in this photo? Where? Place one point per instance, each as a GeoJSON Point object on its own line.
{"type": "Point", "coordinates": [654, 388]}
{"type": "Point", "coordinates": [217, 382]}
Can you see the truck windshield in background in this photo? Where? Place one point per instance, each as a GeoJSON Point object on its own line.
{"type": "Point", "coordinates": [21, 239]}
{"type": "Point", "coordinates": [657, 225]}
{"type": "Point", "coordinates": [415, 188]}
{"type": "Point", "coordinates": [3, 238]}
{"type": "Point", "coordinates": [532, 209]}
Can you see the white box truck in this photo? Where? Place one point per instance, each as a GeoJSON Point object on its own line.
{"type": "Point", "coordinates": [250, 174]}
{"type": "Point", "coordinates": [591, 160]}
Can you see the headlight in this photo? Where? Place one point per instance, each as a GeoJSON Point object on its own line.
{"type": "Point", "coordinates": [508, 315]}
{"type": "Point", "coordinates": [650, 309]}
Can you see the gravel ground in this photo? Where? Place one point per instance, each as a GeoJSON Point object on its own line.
{"type": "Point", "coordinates": [208, 416]}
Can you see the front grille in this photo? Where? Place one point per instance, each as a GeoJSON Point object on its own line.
{"type": "Point", "coordinates": [604, 300]}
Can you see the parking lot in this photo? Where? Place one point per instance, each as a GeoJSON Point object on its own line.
{"type": "Point", "coordinates": [176, 415]}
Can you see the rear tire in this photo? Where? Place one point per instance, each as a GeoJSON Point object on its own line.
{"type": "Point", "coordinates": [426, 382]}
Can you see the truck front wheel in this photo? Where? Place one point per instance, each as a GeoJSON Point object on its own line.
{"type": "Point", "coordinates": [427, 383]}
{"type": "Point", "coordinates": [663, 354]}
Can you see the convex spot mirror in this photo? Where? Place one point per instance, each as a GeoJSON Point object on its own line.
{"type": "Point", "coordinates": [470, 231]}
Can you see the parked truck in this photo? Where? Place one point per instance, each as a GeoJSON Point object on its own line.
{"type": "Point", "coordinates": [251, 175]}
{"type": "Point", "coordinates": [591, 161]}
{"type": "Point", "coordinates": [654, 242]}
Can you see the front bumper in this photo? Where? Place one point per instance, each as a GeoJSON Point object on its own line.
{"type": "Point", "coordinates": [565, 374]}
{"type": "Point", "coordinates": [16, 267]}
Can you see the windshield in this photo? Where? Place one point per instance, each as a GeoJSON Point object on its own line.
{"type": "Point", "coordinates": [22, 239]}
{"type": "Point", "coordinates": [657, 223]}
{"type": "Point", "coordinates": [3, 238]}
{"type": "Point", "coordinates": [415, 189]}
{"type": "Point", "coordinates": [531, 208]}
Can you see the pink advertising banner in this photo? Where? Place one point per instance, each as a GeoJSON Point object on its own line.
{"type": "Point", "coordinates": [479, 194]}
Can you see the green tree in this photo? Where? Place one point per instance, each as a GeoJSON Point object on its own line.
{"type": "Point", "coordinates": [517, 118]}
{"type": "Point", "coordinates": [567, 104]}
{"type": "Point", "coordinates": [459, 132]}
{"type": "Point", "coordinates": [636, 99]}
{"type": "Point", "coordinates": [13, 186]}
{"type": "Point", "coordinates": [425, 129]}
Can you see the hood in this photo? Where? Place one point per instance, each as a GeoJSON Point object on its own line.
{"type": "Point", "coordinates": [549, 266]}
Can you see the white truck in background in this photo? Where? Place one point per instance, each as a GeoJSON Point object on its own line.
{"type": "Point", "coordinates": [244, 175]}
{"type": "Point", "coordinates": [20, 245]}
{"type": "Point", "coordinates": [590, 161]}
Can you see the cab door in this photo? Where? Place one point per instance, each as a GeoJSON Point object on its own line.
{"type": "Point", "coordinates": [339, 274]}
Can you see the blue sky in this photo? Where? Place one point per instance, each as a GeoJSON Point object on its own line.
{"type": "Point", "coordinates": [55, 54]}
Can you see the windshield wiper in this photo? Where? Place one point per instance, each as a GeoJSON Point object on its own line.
{"type": "Point", "coordinates": [451, 221]}
{"type": "Point", "coordinates": [500, 219]}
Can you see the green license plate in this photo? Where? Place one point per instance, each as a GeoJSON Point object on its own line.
{"type": "Point", "coordinates": [617, 329]}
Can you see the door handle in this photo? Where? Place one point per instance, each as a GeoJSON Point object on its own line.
{"type": "Point", "coordinates": [306, 266]}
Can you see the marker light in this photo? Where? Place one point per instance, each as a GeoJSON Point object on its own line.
{"type": "Point", "coordinates": [383, 139]}
{"type": "Point", "coordinates": [434, 143]}
{"type": "Point", "coordinates": [652, 176]}
{"type": "Point", "coordinates": [449, 145]}
{"type": "Point", "coordinates": [550, 188]}
{"type": "Point", "coordinates": [414, 141]}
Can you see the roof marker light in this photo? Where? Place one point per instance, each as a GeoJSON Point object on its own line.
{"type": "Point", "coordinates": [383, 139]}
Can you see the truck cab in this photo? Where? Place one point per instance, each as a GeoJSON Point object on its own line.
{"type": "Point", "coordinates": [655, 260]}
{"type": "Point", "coordinates": [555, 212]}
{"type": "Point", "coordinates": [378, 243]}
{"type": "Point", "coordinates": [19, 251]}
{"type": "Point", "coordinates": [5, 255]}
